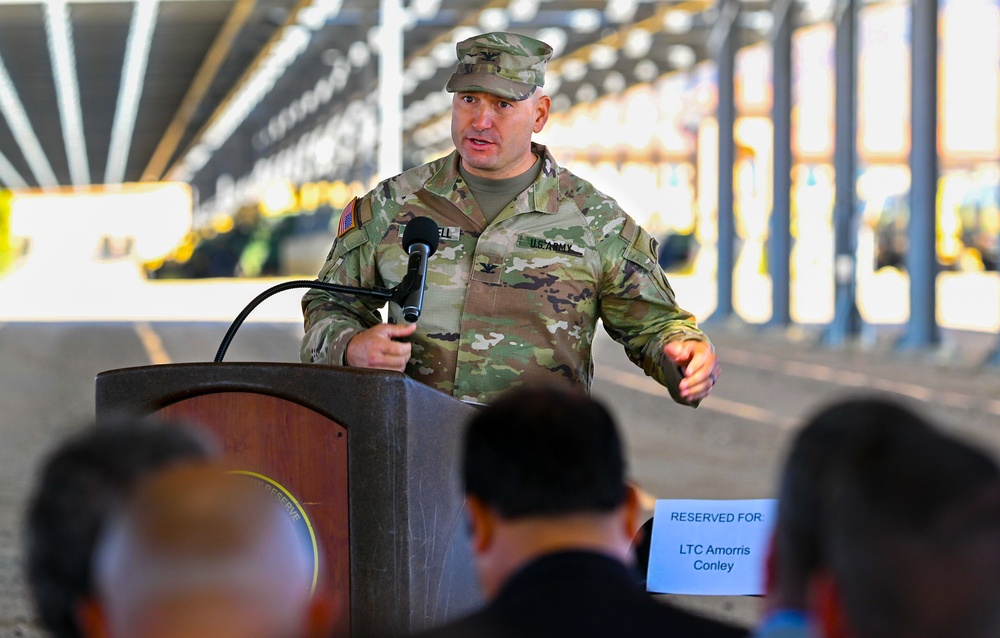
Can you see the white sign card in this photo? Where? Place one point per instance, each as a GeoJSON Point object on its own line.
{"type": "Point", "coordinates": [710, 547]}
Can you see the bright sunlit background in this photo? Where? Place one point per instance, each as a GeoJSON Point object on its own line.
{"type": "Point", "coordinates": [167, 250]}
{"type": "Point", "coordinates": [87, 256]}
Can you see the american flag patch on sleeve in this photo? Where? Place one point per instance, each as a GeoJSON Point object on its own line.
{"type": "Point", "coordinates": [348, 219]}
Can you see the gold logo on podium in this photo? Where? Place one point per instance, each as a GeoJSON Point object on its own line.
{"type": "Point", "coordinates": [296, 513]}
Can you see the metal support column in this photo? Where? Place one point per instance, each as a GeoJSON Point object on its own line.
{"type": "Point", "coordinates": [846, 322]}
{"type": "Point", "coordinates": [993, 356]}
{"type": "Point", "coordinates": [921, 256]}
{"type": "Point", "coordinates": [390, 97]}
{"type": "Point", "coordinates": [779, 241]}
{"type": "Point", "coordinates": [723, 42]}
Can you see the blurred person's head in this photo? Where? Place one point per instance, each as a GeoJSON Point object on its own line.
{"type": "Point", "coordinates": [83, 480]}
{"type": "Point", "coordinates": [200, 552]}
{"type": "Point", "coordinates": [498, 102]}
{"type": "Point", "coordinates": [544, 471]}
{"type": "Point", "coordinates": [796, 555]}
{"type": "Point", "coordinates": [911, 538]}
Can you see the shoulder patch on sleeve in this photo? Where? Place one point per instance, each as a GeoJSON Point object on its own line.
{"type": "Point", "coordinates": [363, 209]}
{"type": "Point", "coordinates": [645, 244]}
{"type": "Point", "coordinates": [629, 229]}
{"type": "Point", "coordinates": [349, 219]}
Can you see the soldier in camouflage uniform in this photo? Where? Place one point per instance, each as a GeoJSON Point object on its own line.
{"type": "Point", "coordinates": [517, 285]}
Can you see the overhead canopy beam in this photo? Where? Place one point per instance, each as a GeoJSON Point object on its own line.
{"type": "Point", "coordinates": [390, 98]}
{"type": "Point", "coordinates": [20, 126]}
{"type": "Point", "coordinates": [241, 98]}
{"type": "Point", "coordinates": [199, 87]}
{"type": "Point", "coordinates": [61, 50]}
{"type": "Point", "coordinates": [470, 19]}
{"type": "Point", "coordinates": [140, 36]}
{"type": "Point", "coordinates": [9, 176]}
{"type": "Point", "coordinates": [16, 2]}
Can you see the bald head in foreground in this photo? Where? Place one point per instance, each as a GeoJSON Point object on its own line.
{"type": "Point", "coordinates": [85, 479]}
{"type": "Point", "coordinates": [201, 552]}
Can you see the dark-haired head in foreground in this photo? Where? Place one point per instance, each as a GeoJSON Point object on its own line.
{"type": "Point", "coordinates": [863, 479]}
{"type": "Point", "coordinates": [912, 539]}
{"type": "Point", "coordinates": [82, 481]}
{"type": "Point", "coordinates": [552, 520]}
{"type": "Point", "coordinates": [796, 552]}
{"type": "Point", "coordinates": [544, 452]}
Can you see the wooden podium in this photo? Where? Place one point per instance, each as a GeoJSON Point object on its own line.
{"type": "Point", "coordinates": [365, 462]}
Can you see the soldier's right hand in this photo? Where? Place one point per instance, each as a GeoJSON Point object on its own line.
{"type": "Point", "coordinates": [375, 348]}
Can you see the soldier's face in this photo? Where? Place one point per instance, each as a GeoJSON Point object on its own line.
{"type": "Point", "coordinates": [493, 134]}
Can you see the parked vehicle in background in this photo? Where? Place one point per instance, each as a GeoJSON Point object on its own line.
{"type": "Point", "coordinates": [677, 251]}
{"type": "Point", "coordinates": [968, 225]}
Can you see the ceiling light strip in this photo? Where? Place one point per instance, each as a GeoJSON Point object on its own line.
{"type": "Point", "coordinates": [133, 76]}
{"type": "Point", "coordinates": [9, 175]}
{"type": "Point", "coordinates": [284, 47]}
{"type": "Point", "coordinates": [199, 87]}
{"type": "Point", "coordinates": [60, 38]}
{"type": "Point", "coordinates": [17, 2]}
{"type": "Point", "coordinates": [20, 126]}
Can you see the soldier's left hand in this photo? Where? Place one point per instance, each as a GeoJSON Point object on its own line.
{"type": "Point", "coordinates": [700, 366]}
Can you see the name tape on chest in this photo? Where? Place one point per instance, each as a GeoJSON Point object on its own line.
{"type": "Point", "coordinates": [540, 243]}
{"type": "Point", "coordinates": [445, 233]}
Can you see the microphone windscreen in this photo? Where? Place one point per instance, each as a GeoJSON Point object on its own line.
{"type": "Point", "coordinates": [421, 230]}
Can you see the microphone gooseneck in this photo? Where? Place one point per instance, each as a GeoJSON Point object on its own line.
{"type": "Point", "coordinates": [420, 240]}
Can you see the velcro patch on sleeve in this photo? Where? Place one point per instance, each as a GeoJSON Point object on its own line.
{"type": "Point", "coordinates": [349, 219]}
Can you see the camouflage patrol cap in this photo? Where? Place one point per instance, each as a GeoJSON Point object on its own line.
{"type": "Point", "coordinates": [506, 64]}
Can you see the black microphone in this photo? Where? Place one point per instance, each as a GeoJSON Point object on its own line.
{"type": "Point", "coordinates": [420, 240]}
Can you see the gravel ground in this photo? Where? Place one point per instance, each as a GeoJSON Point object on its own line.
{"type": "Point", "coordinates": [730, 447]}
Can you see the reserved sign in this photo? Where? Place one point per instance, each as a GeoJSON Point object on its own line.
{"type": "Point", "coordinates": [710, 547]}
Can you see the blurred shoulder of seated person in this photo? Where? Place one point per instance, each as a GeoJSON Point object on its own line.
{"type": "Point", "coordinates": [911, 536]}
{"type": "Point", "coordinates": [796, 557]}
{"type": "Point", "coordinates": [202, 553]}
{"type": "Point", "coordinates": [552, 519]}
{"type": "Point", "coordinates": [877, 511]}
{"type": "Point", "coordinates": [81, 481]}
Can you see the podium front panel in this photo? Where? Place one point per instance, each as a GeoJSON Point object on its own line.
{"type": "Point", "coordinates": [389, 505]}
{"type": "Point", "coordinates": [283, 449]}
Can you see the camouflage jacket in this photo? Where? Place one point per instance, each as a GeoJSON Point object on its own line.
{"type": "Point", "coordinates": [509, 302]}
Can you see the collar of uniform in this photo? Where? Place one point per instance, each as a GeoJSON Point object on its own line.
{"type": "Point", "coordinates": [443, 183]}
{"type": "Point", "coordinates": [543, 195]}
{"type": "Point", "coordinates": [545, 192]}
{"type": "Point", "coordinates": [442, 180]}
